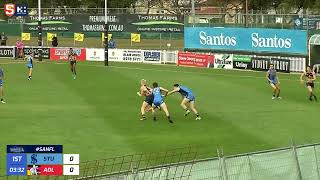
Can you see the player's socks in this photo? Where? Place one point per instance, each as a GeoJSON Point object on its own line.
{"type": "Point", "coordinates": [143, 118]}
{"type": "Point", "coordinates": [278, 94]}
{"type": "Point", "coordinates": [169, 119]}
{"type": "Point", "coordinates": [154, 118]}
{"type": "Point", "coordinates": [315, 97]}
{"type": "Point", "coordinates": [310, 98]}
{"type": "Point", "coordinates": [198, 117]}
{"type": "Point", "coordinates": [187, 112]}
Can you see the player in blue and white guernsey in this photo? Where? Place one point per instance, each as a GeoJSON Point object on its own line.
{"type": "Point", "coordinates": [274, 82]}
{"type": "Point", "coordinates": [188, 99]}
{"type": "Point", "coordinates": [30, 64]}
{"type": "Point", "coordinates": [158, 100]}
{"type": "Point", "coordinates": [1, 86]}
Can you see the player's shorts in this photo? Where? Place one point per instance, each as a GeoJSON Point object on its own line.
{"type": "Point", "coordinates": [149, 99]}
{"type": "Point", "coordinates": [30, 66]}
{"type": "Point", "coordinates": [1, 82]}
{"type": "Point", "coordinates": [73, 62]}
{"type": "Point", "coordinates": [158, 102]}
{"type": "Point", "coordinates": [311, 84]}
{"type": "Point", "coordinates": [190, 97]}
{"type": "Point", "coordinates": [273, 82]}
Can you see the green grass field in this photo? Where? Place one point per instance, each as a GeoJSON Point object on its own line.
{"type": "Point", "coordinates": [97, 115]}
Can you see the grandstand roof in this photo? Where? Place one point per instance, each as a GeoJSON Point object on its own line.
{"type": "Point", "coordinates": [315, 39]}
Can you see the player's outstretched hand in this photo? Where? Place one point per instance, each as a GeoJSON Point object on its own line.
{"type": "Point", "coordinates": [138, 93]}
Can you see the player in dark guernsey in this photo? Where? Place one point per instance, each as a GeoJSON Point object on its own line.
{"type": "Point", "coordinates": [274, 82]}
{"type": "Point", "coordinates": [188, 99]}
{"type": "Point", "coordinates": [147, 103]}
{"type": "Point", "coordinates": [310, 77]}
{"type": "Point", "coordinates": [73, 62]}
{"type": "Point", "coordinates": [1, 86]}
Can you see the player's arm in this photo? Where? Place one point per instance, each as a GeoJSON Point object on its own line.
{"type": "Point", "coordinates": [173, 91]}
{"type": "Point", "coordinates": [278, 80]}
{"type": "Point", "coordinates": [164, 90]}
{"type": "Point", "coordinates": [139, 93]}
{"type": "Point", "coordinates": [301, 77]}
{"type": "Point", "coordinates": [267, 77]}
{"type": "Point", "coordinates": [314, 76]}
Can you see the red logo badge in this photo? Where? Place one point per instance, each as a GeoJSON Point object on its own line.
{"type": "Point", "coordinates": [10, 9]}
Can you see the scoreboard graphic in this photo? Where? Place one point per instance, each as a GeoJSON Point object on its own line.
{"type": "Point", "coordinates": [40, 160]}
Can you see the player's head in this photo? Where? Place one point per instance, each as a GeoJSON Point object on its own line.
{"type": "Point", "coordinates": [70, 49]}
{"type": "Point", "coordinates": [155, 85]}
{"type": "Point", "coordinates": [271, 66]}
{"type": "Point", "coordinates": [175, 86]}
{"type": "Point", "coordinates": [309, 68]}
{"type": "Point", "coordinates": [143, 82]}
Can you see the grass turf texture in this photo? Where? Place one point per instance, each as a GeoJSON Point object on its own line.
{"type": "Point", "coordinates": [97, 115]}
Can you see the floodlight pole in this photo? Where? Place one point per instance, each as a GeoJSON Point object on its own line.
{"type": "Point", "coordinates": [106, 29]}
{"type": "Point", "coordinates": [246, 18]}
{"type": "Point", "coordinates": [39, 31]}
{"type": "Point", "coordinates": [193, 12]}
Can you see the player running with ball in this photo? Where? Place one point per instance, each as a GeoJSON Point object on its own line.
{"type": "Point", "coordinates": [310, 77]}
{"type": "Point", "coordinates": [188, 99]}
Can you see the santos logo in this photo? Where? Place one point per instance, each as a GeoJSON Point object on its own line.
{"type": "Point", "coordinates": [256, 41]}
{"type": "Point", "coordinates": [219, 40]}
{"type": "Point", "coordinates": [273, 42]}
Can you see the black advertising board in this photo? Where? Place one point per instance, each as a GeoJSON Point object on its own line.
{"type": "Point", "coordinates": [116, 23]}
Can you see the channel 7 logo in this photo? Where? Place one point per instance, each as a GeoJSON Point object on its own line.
{"type": "Point", "coordinates": [16, 10]}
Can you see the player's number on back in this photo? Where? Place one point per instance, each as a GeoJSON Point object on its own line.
{"type": "Point", "coordinates": [71, 169]}
{"type": "Point", "coordinates": [71, 158]}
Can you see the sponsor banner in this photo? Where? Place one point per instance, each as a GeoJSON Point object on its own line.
{"type": "Point", "coordinates": [116, 23]}
{"type": "Point", "coordinates": [312, 22]}
{"type": "Point", "coordinates": [195, 59]}
{"type": "Point", "coordinates": [115, 55]}
{"type": "Point", "coordinates": [262, 64]}
{"type": "Point", "coordinates": [247, 39]}
{"type": "Point", "coordinates": [152, 56]}
{"type": "Point", "coordinates": [282, 65]}
{"type": "Point", "coordinates": [45, 52]}
{"type": "Point", "coordinates": [57, 54]}
{"type": "Point", "coordinates": [94, 54]}
{"type": "Point", "coordinates": [223, 61]}
{"type": "Point", "coordinates": [241, 62]}
{"type": "Point", "coordinates": [7, 51]}
{"type": "Point", "coordinates": [132, 55]}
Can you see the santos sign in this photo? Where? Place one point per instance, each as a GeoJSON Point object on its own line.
{"type": "Point", "coordinates": [247, 39]}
